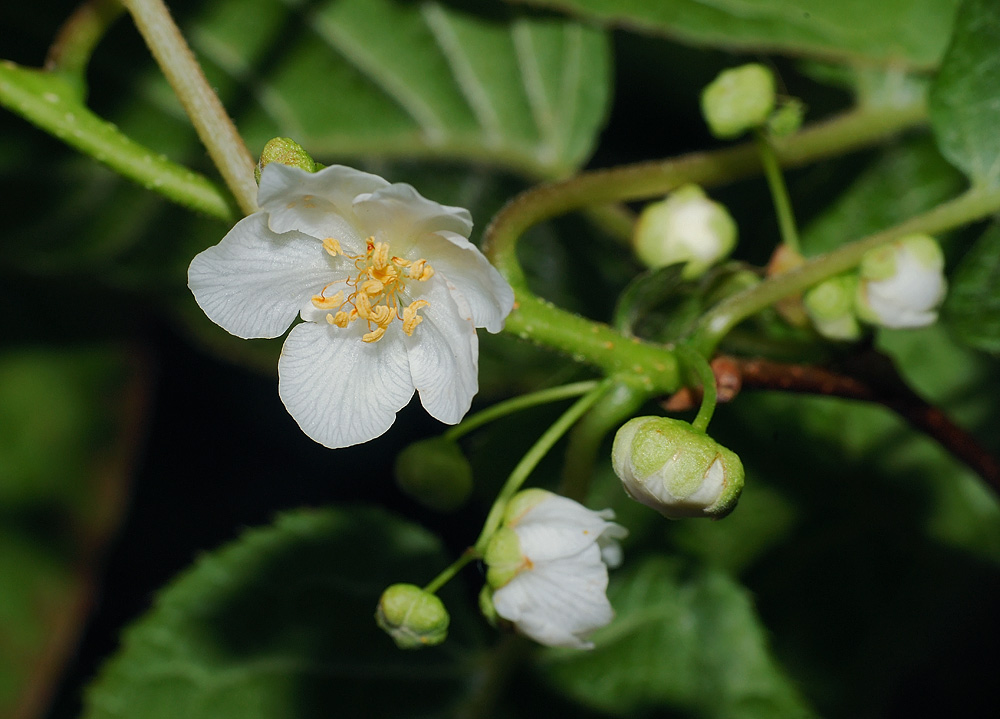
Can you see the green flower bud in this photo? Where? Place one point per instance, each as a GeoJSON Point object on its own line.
{"type": "Point", "coordinates": [830, 306]}
{"type": "Point", "coordinates": [738, 100]}
{"type": "Point", "coordinates": [787, 119]}
{"type": "Point", "coordinates": [284, 151]}
{"type": "Point", "coordinates": [677, 470]}
{"type": "Point", "coordinates": [435, 473]}
{"type": "Point", "coordinates": [413, 617]}
{"type": "Point", "coordinates": [685, 227]}
{"type": "Point", "coordinates": [902, 284]}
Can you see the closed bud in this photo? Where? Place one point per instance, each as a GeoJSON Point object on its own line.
{"type": "Point", "coordinates": [685, 227]}
{"type": "Point", "coordinates": [902, 284]}
{"type": "Point", "coordinates": [830, 306]}
{"type": "Point", "coordinates": [787, 119]}
{"type": "Point", "coordinates": [284, 151]}
{"type": "Point", "coordinates": [414, 618]}
{"type": "Point", "coordinates": [677, 470]}
{"type": "Point", "coordinates": [435, 473]}
{"type": "Point", "coordinates": [738, 100]}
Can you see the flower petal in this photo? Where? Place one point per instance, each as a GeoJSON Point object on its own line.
{"type": "Point", "coordinates": [471, 274]}
{"type": "Point", "coordinates": [560, 527]}
{"type": "Point", "coordinates": [444, 354]}
{"type": "Point", "coordinates": [340, 390]}
{"type": "Point", "coordinates": [558, 603]}
{"type": "Point", "coordinates": [399, 215]}
{"type": "Point", "coordinates": [317, 203]}
{"type": "Point", "coordinates": [253, 283]}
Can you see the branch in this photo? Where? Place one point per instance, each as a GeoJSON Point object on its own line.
{"type": "Point", "coordinates": [869, 376]}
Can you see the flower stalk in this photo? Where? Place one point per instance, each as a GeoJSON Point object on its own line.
{"type": "Point", "coordinates": [779, 192]}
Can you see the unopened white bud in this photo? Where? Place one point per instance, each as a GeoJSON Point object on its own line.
{"type": "Point", "coordinates": [685, 227]}
{"type": "Point", "coordinates": [677, 470]}
{"type": "Point", "coordinates": [902, 284]}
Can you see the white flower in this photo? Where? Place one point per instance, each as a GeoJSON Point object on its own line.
{"type": "Point", "coordinates": [390, 289]}
{"type": "Point", "coordinates": [902, 284]}
{"type": "Point", "coordinates": [548, 567]}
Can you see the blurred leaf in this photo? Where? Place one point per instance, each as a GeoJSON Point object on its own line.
{"type": "Point", "coordinates": [397, 79]}
{"type": "Point", "coordinates": [972, 307]}
{"type": "Point", "coordinates": [965, 96]}
{"type": "Point", "coordinates": [67, 419]}
{"type": "Point", "coordinates": [903, 181]}
{"type": "Point", "coordinates": [901, 32]}
{"type": "Point", "coordinates": [688, 641]}
{"type": "Point", "coordinates": [281, 623]}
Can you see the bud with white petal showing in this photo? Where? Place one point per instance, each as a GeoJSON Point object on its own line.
{"type": "Point", "coordinates": [677, 470]}
{"type": "Point", "coordinates": [414, 618]}
{"type": "Point", "coordinates": [685, 227]}
{"type": "Point", "coordinates": [738, 100]}
{"type": "Point", "coordinates": [902, 284]}
{"type": "Point", "coordinates": [830, 306]}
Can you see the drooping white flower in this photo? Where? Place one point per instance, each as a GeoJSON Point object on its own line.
{"type": "Point", "coordinates": [548, 568]}
{"type": "Point", "coordinates": [902, 284]}
{"type": "Point", "coordinates": [389, 286]}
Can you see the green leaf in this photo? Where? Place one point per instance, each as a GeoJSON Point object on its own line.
{"type": "Point", "coordinates": [972, 308]}
{"type": "Point", "coordinates": [281, 623]}
{"type": "Point", "coordinates": [680, 640]}
{"type": "Point", "coordinates": [397, 79]}
{"type": "Point", "coordinates": [965, 96]}
{"type": "Point", "coordinates": [902, 32]}
{"type": "Point", "coordinates": [903, 181]}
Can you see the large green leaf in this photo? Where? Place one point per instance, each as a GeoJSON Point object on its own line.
{"type": "Point", "coordinates": [280, 623]}
{"type": "Point", "coordinates": [897, 32]}
{"type": "Point", "coordinates": [973, 304]}
{"type": "Point", "coordinates": [394, 78]}
{"type": "Point", "coordinates": [681, 640]}
{"type": "Point", "coordinates": [965, 96]}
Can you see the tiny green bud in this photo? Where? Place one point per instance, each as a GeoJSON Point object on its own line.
{"type": "Point", "coordinates": [787, 119]}
{"type": "Point", "coordinates": [902, 284]}
{"type": "Point", "coordinates": [284, 151]}
{"type": "Point", "coordinates": [830, 306]}
{"type": "Point", "coordinates": [435, 473]}
{"type": "Point", "coordinates": [738, 100]}
{"type": "Point", "coordinates": [677, 470]}
{"type": "Point", "coordinates": [414, 618]}
{"type": "Point", "coordinates": [685, 227]}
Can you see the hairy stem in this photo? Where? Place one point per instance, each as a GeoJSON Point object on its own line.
{"type": "Point", "coordinates": [75, 42]}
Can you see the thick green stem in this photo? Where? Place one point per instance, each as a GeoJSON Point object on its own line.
{"type": "Point", "coordinates": [531, 460]}
{"type": "Point", "coordinates": [974, 205]}
{"type": "Point", "coordinates": [779, 192]}
{"type": "Point", "coordinates": [209, 117]}
{"type": "Point", "coordinates": [620, 402]}
{"type": "Point", "coordinates": [450, 571]}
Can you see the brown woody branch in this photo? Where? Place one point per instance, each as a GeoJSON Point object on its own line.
{"type": "Point", "coordinates": [868, 376]}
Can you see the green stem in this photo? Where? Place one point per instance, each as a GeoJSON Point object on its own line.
{"type": "Point", "coordinates": [202, 105]}
{"type": "Point", "coordinates": [532, 458]}
{"type": "Point", "coordinates": [976, 204]}
{"type": "Point", "coordinates": [516, 404]}
{"type": "Point", "coordinates": [450, 571]}
{"type": "Point", "coordinates": [619, 403]}
{"type": "Point", "coordinates": [709, 394]}
{"type": "Point", "coordinates": [779, 192]}
{"type": "Point", "coordinates": [75, 42]}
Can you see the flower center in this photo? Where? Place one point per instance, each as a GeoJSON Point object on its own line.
{"type": "Point", "coordinates": [375, 290]}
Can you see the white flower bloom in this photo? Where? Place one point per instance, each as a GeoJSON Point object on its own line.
{"type": "Point", "coordinates": [390, 289]}
{"type": "Point", "coordinates": [548, 567]}
{"type": "Point", "coordinates": [902, 284]}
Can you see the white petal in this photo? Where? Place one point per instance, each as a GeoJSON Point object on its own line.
{"type": "Point", "coordinates": [254, 281]}
{"type": "Point", "coordinates": [558, 603]}
{"type": "Point", "coordinates": [444, 354]}
{"type": "Point", "coordinates": [471, 274]}
{"type": "Point", "coordinates": [340, 390]}
{"type": "Point", "coordinates": [399, 215]}
{"type": "Point", "coordinates": [317, 203]}
{"type": "Point", "coordinates": [560, 527]}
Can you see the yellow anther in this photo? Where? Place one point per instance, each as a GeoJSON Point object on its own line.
{"type": "Point", "coordinates": [374, 336]}
{"type": "Point", "coordinates": [332, 246]}
{"type": "Point", "coordinates": [341, 319]}
{"type": "Point", "coordinates": [363, 305]}
{"type": "Point", "coordinates": [328, 303]}
{"type": "Point", "coordinates": [380, 255]}
{"type": "Point", "coordinates": [382, 315]}
{"type": "Point", "coordinates": [421, 271]}
{"type": "Point", "coordinates": [410, 317]}
{"type": "Point", "coordinates": [330, 319]}
{"type": "Point", "coordinates": [372, 287]}
{"type": "Point", "coordinates": [400, 262]}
